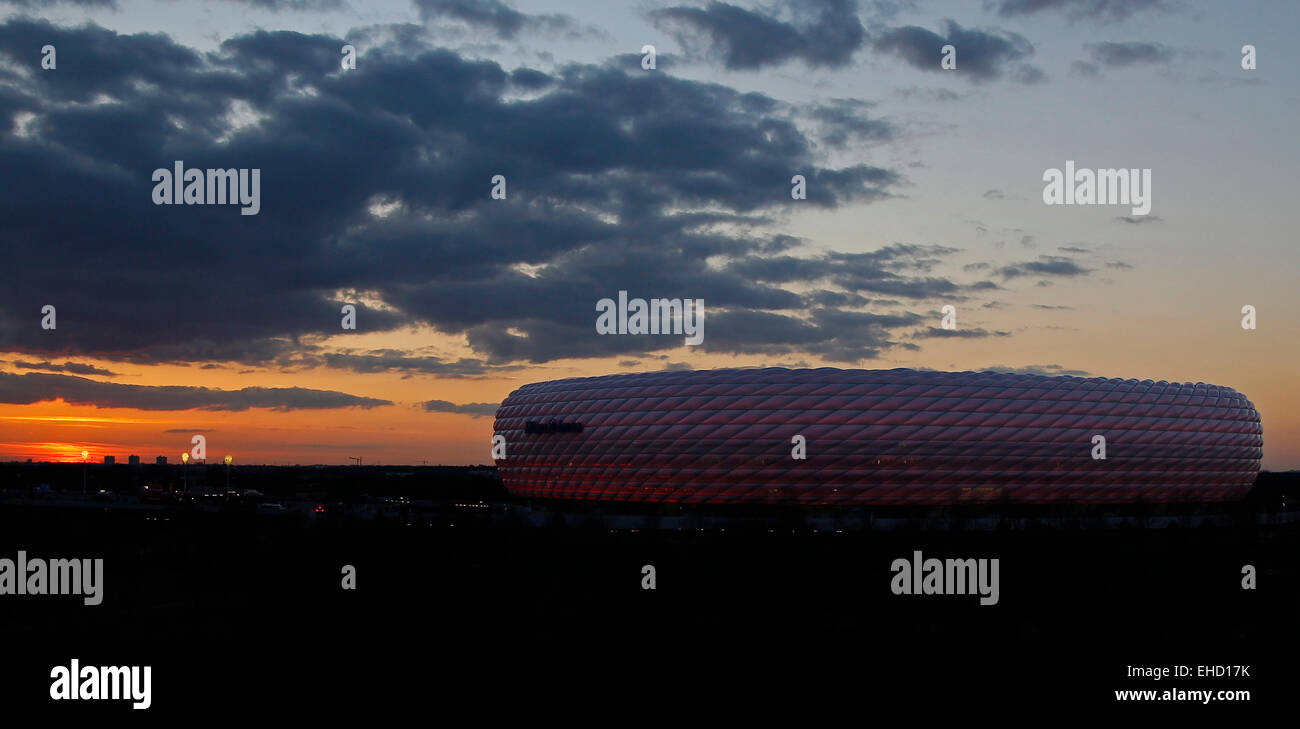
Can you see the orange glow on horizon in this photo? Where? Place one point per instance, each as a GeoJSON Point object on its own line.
{"type": "Point", "coordinates": [76, 419]}
{"type": "Point", "coordinates": [404, 433]}
{"type": "Point", "coordinates": [53, 452]}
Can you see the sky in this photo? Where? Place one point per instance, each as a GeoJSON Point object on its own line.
{"type": "Point", "coordinates": [924, 188]}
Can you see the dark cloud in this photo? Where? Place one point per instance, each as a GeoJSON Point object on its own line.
{"type": "Point", "coordinates": [821, 33]}
{"type": "Point", "coordinates": [1118, 264]}
{"type": "Point", "coordinates": [836, 299]}
{"type": "Point", "coordinates": [74, 368]}
{"type": "Point", "coordinates": [27, 4]}
{"type": "Point", "coordinates": [1138, 219]}
{"type": "Point", "coordinates": [1051, 369]}
{"type": "Point", "coordinates": [631, 62]}
{"type": "Point", "coordinates": [473, 409]}
{"type": "Point", "coordinates": [914, 92]}
{"type": "Point", "coordinates": [375, 187]}
{"type": "Point", "coordinates": [884, 9]}
{"type": "Point", "coordinates": [493, 15]}
{"type": "Point", "coordinates": [189, 430]}
{"type": "Point", "coordinates": [396, 361]}
{"type": "Point", "coordinates": [1085, 69]}
{"type": "Point", "coordinates": [1123, 55]}
{"type": "Point", "coordinates": [278, 5]}
{"type": "Point", "coordinates": [883, 271]}
{"type": "Point", "coordinates": [1103, 10]}
{"type": "Point", "coordinates": [993, 195]}
{"type": "Point", "coordinates": [845, 120]}
{"type": "Point", "coordinates": [530, 79]}
{"type": "Point", "coordinates": [940, 333]}
{"type": "Point", "coordinates": [31, 388]}
{"type": "Point", "coordinates": [982, 55]}
{"type": "Point", "coordinates": [618, 181]}
{"type": "Point", "coordinates": [1044, 266]}
{"type": "Point", "coordinates": [835, 335]}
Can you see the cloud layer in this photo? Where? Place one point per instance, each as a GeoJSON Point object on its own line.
{"type": "Point", "coordinates": [32, 388]}
{"type": "Point", "coordinates": [375, 188]}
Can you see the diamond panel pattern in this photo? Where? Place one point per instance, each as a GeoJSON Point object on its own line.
{"type": "Point", "coordinates": [878, 437]}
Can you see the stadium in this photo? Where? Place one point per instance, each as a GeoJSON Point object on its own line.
{"type": "Point", "coordinates": [875, 437]}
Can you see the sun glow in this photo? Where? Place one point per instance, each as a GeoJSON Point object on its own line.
{"type": "Point", "coordinates": [56, 452]}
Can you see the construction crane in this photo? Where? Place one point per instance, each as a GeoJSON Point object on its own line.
{"type": "Point", "coordinates": [355, 458]}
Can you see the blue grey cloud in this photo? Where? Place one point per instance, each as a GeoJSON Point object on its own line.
{"type": "Point", "coordinates": [982, 55]}
{"type": "Point", "coordinates": [821, 33]}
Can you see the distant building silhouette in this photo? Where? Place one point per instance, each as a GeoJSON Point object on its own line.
{"type": "Point", "coordinates": [133, 460]}
{"type": "Point", "coordinates": [161, 460]}
{"type": "Point", "coordinates": [109, 460]}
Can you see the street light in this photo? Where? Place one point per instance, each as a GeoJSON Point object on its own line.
{"type": "Point", "coordinates": [185, 481]}
{"type": "Point", "coordinates": [84, 455]}
{"type": "Point", "coordinates": [228, 459]}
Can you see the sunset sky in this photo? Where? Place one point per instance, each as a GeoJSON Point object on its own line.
{"type": "Point", "coordinates": [925, 189]}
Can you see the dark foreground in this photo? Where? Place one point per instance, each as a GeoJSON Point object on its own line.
{"type": "Point", "coordinates": [243, 613]}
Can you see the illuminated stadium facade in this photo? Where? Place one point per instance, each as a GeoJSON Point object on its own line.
{"type": "Point", "coordinates": [876, 437]}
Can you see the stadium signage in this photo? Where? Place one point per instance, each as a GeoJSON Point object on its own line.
{"type": "Point", "coordinates": [552, 426]}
